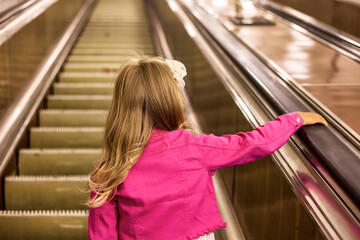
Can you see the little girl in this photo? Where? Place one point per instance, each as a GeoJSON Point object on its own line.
{"type": "Point", "coordinates": [154, 181]}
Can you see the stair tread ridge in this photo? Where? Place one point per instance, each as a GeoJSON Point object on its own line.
{"type": "Point", "coordinates": [77, 84]}
{"type": "Point", "coordinates": [67, 129]}
{"type": "Point", "coordinates": [80, 97]}
{"type": "Point", "coordinates": [59, 150]}
{"type": "Point", "coordinates": [20, 213]}
{"type": "Point", "coordinates": [69, 111]}
{"type": "Point", "coordinates": [47, 178]}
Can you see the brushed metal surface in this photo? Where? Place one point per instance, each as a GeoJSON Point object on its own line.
{"type": "Point", "coordinates": [304, 58]}
{"type": "Point", "coordinates": [323, 210]}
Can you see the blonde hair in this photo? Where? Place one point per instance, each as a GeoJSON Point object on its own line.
{"type": "Point", "coordinates": [146, 96]}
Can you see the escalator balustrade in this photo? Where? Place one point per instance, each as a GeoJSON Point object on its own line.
{"type": "Point", "coordinates": [45, 200]}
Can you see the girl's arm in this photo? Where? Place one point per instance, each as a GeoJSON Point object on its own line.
{"type": "Point", "coordinates": [240, 148]}
{"type": "Point", "coordinates": [103, 221]}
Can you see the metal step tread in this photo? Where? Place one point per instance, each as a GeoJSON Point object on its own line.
{"type": "Point", "coordinates": [79, 97]}
{"type": "Point", "coordinates": [79, 101]}
{"type": "Point", "coordinates": [106, 77]}
{"type": "Point", "coordinates": [77, 74]}
{"type": "Point", "coordinates": [66, 88]}
{"type": "Point", "coordinates": [31, 192]}
{"type": "Point", "coordinates": [74, 111]}
{"type": "Point", "coordinates": [57, 151]}
{"type": "Point", "coordinates": [95, 51]}
{"type": "Point", "coordinates": [66, 137]}
{"type": "Point", "coordinates": [57, 161]}
{"type": "Point", "coordinates": [72, 118]}
{"type": "Point", "coordinates": [96, 59]}
{"type": "Point", "coordinates": [114, 45]}
{"type": "Point", "coordinates": [83, 85]}
{"type": "Point", "coordinates": [47, 178]}
{"type": "Point", "coordinates": [44, 224]}
{"type": "Point", "coordinates": [67, 129]}
{"type": "Point", "coordinates": [91, 67]}
{"type": "Point", "coordinates": [45, 213]}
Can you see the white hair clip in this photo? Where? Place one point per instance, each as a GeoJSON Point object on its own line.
{"type": "Point", "coordinates": [179, 71]}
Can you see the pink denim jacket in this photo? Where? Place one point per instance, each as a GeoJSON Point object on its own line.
{"type": "Point", "coordinates": [169, 193]}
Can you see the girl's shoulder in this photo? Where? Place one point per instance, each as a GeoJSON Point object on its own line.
{"type": "Point", "coordinates": [175, 135]}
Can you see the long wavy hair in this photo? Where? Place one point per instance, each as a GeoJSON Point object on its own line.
{"type": "Point", "coordinates": [146, 96]}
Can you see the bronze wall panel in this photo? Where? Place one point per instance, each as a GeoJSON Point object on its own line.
{"type": "Point", "coordinates": [266, 205]}
{"type": "Point", "coordinates": [347, 17]}
{"type": "Point", "coordinates": [22, 53]}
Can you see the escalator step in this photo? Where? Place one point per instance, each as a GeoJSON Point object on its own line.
{"type": "Point", "coordinates": [125, 34]}
{"type": "Point", "coordinates": [122, 38]}
{"type": "Point", "coordinates": [91, 67]}
{"type": "Point", "coordinates": [83, 88]}
{"type": "Point", "coordinates": [45, 192]}
{"type": "Point", "coordinates": [57, 161]}
{"type": "Point", "coordinates": [79, 101]}
{"type": "Point", "coordinates": [96, 59]}
{"type": "Point", "coordinates": [99, 51]}
{"type": "Point", "coordinates": [112, 40]}
{"type": "Point", "coordinates": [130, 27]}
{"type": "Point", "coordinates": [87, 77]}
{"type": "Point", "coordinates": [46, 224]}
{"type": "Point", "coordinates": [73, 118]}
{"type": "Point", "coordinates": [51, 137]}
{"type": "Point", "coordinates": [114, 45]}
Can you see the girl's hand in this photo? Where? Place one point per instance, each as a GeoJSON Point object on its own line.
{"type": "Point", "coordinates": [312, 118]}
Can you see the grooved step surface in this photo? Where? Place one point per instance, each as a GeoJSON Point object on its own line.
{"type": "Point", "coordinates": [91, 67]}
{"type": "Point", "coordinates": [66, 137]}
{"type": "Point", "coordinates": [57, 161]}
{"type": "Point", "coordinates": [128, 35]}
{"type": "Point", "coordinates": [73, 118]}
{"type": "Point", "coordinates": [97, 59]}
{"type": "Point", "coordinates": [45, 192]}
{"type": "Point", "coordinates": [87, 77]}
{"type": "Point", "coordinates": [79, 101]}
{"type": "Point", "coordinates": [83, 88]}
{"type": "Point", "coordinates": [114, 45]}
{"type": "Point", "coordinates": [99, 51]}
{"type": "Point", "coordinates": [55, 225]}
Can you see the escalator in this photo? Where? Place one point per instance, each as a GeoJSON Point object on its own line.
{"type": "Point", "coordinates": [43, 201]}
{"type": "Point", "coordinates": [287, 196]}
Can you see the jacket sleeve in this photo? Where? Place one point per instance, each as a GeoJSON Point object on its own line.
{"type": "Point", "coordinates": [240, 148]}
{"type": "Point", "coordinates": [103, 221]}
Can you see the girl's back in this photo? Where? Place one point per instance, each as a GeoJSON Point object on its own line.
{"type": "Point", "coordinates": [154, 181]}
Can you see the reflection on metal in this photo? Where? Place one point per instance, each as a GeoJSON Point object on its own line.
{"type": "Point", "coordinates": [246, 14]}
{"type": "Point", "coordinates": [333, 217]}
{"type": "Point", "coordinates": [11, 8]}
{"type": "Point", "coordinates": [345, 43]}
{"type": "Point", "coordinates": [233, 230]}
{"type": "Point", "coordinates": [9, 28]}
{"type": "Point", "coordinates": [345, 162]}
{"type": "Point", "coordinates": [251, 21]}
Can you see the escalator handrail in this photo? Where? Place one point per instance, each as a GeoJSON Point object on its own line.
{"type": "Point", "coordinates": [10, 12]}
{"type": "Point", "coordinates": [344, 163]}
{"type": "Point", "coordinates": [347, 44]}
{"type": "Point", "coordinates": [347, 210]}
{"type": "Point", "coordinates": [16, 19]}
{"type": "Point", "coordinates": [15, 121]}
